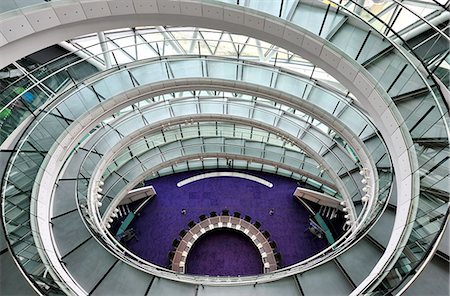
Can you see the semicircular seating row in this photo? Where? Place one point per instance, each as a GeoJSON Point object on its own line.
{"type": "Point", "coordinates": [261, 238]}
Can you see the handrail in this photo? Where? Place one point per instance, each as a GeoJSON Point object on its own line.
{"type": "Point", "coordinates": [222, 59]}
{"type": "Point", "coordinates": [60, 70]}
{"type": "Point", "coordinates": [423, 19]}
{"type": "Point", "coordinates": [422, 77]}
{"type": "Point", "coordinates": [100, 229]}
{"type": "Point", "coordinates": [440, 110]}
{"type": "Point", "coordinates": [399, 48]}
{"type": "Point", "coordinates": [335, 249]}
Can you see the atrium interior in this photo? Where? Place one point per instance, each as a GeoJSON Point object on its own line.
{"type": "Point", "coordinates": [224, 147]}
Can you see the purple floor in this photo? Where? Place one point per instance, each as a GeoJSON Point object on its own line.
{"type": "Point", "coordinates": [161, 220]}
{"type": "Point", "coordinates": [227, 252]}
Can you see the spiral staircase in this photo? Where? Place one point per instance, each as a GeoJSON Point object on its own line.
{"type": "Point", "coordinates": [350, 97]}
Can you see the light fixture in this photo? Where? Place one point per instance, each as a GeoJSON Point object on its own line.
{"type": "Point", "coordinates": [365, 198]}
{"type": "Point", "coordinates": [99, 204]}
{"type": "Point", "coordinates": [342, 203]}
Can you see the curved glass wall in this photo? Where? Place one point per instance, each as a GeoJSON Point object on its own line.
{"type": "Point", "coordinates": [424, 117]}
{"type": "Point", "coordinates": [166, 153]}
{"type": "Point", "coordinates": [390, 65]}
{"type": "Point", "coordinates": [285, 153]}
{"type": "Point", "coordinates": [46, 132]}
{"type": "Point", "coordinates": [173, 150]}
{"type": "Point", "coordinates": [22, 97]}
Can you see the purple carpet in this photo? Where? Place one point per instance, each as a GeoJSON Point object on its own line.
{"type": "Point", "coordinates": [161, 220]}
{"type": "Point", "coordinates": [226, 252]}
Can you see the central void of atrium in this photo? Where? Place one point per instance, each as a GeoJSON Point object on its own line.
{"type": "Point", "coordinates": [224, 251]}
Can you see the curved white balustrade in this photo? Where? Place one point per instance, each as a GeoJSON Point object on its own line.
{"type": "Point", "coordinates": [396, 131]}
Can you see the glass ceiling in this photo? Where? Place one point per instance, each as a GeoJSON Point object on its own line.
{"type": "Point", "coordinates": [130, 44]}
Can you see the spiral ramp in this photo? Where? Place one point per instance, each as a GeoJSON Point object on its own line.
{"type": "Point", "coordinates": [316, 91]}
